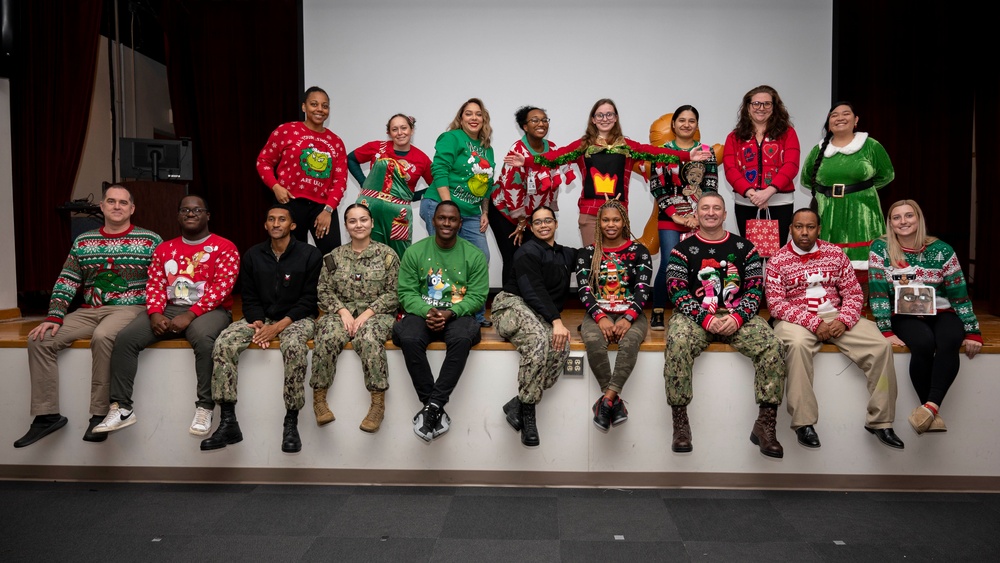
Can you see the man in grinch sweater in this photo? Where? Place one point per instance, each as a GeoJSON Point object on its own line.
{"type": "Point", "coordinates": [814, 297]}
{"type": "Point", "coordinates": [110, 265]}
{"type": "Point", "coordinates": [443, 281]}
{"type": "Point", "coordinates": [715, 280]}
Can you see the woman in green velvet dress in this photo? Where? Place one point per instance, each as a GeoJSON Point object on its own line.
{"type": "Point", "coordinates": [843, 173]}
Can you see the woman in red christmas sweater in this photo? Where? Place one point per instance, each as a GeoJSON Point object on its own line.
{"type": "Point", "coordinates": [605, 159]}
{"type": "Point", "coordinates": [305, 165]}
{"type": "Point", "coordinates": [761, 159]}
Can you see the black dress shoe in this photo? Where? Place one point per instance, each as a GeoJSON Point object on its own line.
{"type": "Point", "coordinates": [807, 436]}
{"type": "Point", "coordinates": [90, 435]}
{"type": "Point", "coordinates": [39, 430]}
{"type": "Point", "coordinates": [485, 323]}
{"type": "Point", "coordinates": [887, 437]}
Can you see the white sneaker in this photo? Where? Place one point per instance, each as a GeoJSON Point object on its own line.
{"type": "Point", "coordinates": [116, 419]}
{"type": "Point", "coordinates": [202, 422]}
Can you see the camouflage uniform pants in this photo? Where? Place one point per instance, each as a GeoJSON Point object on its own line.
{"type": "Point", "coordinates": [294, 351]}
{"type": "Point", "coordinates": [628, 351]}
{"type": "Point", "coordinates": [686, 340]}
{"type": "Point", "coordinates": [368, 342]}
{"type": "Point", "coordinates": [525, 329]}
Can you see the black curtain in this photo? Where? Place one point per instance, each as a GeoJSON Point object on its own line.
{"type": "Point", "coordinates": [233, 69]}
{"type": "Point", "coordinates": [55, 65]}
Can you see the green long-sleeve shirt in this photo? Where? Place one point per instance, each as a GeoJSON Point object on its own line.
{"type": "Point", "coordinates": [457, 278]}
{"type": "Point", "coordinates": [465, 167]}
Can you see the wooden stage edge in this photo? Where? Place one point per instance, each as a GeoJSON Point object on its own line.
{"type": "Point", "coordinates": [471, 478]}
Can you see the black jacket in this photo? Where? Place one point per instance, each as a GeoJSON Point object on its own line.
{"type": "Point", "coordinates": [541, 277]}
{"type": "Point", "coordinates": [278, 288]}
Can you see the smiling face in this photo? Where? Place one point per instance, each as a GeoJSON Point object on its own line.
{"type": "Point", "coordinates": [317, 109]}
{"type": "Point", "coordinates": [118, 208]}
{"type": "Point", "coordinates": [604, 118]}
{"type": "Point", "coordinates": [400, 133]}
{"type": "Point", "coordinates": [904, 222]}
{"type": "Point", "coordinates": [447, 221]}
{"type": "Point", "coordinates": [711, 214]}
{"type": "Point", "coordinates": [761, 107]}
{"type": "Point", "coordinates": [842, 120]}
{"type": "Point", "coordinates": [543, 225]}
{"type": "Point", "coordinates": [472, 119]}
{"type": "Point", "coordinates": [193, 216]}
{"type": "Point", "coordinates": [684, 125]}
{"type": "Point", "coordinates": [537, 126]}
{"type": "Point", "coordinates": [279, 223]}
{"type": "Point", "coordinates": [804, 230]}
{"type": "Point", "coordinates": [358, 221]}
{"type": "Point", "coordinates": [612, 224]}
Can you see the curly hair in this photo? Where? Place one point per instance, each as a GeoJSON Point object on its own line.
{"type": "Point", "coordinates": [486, 133]}
{"type": "Point", "coordinates": [521, 115]}
{"type": "Point", "coordinates": [777, 125]}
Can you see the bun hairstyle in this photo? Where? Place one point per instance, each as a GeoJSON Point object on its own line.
{"type": "Point", "coordinates": [410, 120]}
{"type": "Point", "coordinates": [311, 90]}
{"type": "Point", "coordinates": [521, 115]}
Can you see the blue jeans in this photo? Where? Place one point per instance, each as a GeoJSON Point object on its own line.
{"type": "Point", "coordinates": [668, 240]}
{"type": "Point", "coordinates": [469, 232]}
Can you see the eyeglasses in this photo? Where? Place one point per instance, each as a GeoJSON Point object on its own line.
{"type": "Point", "coordinates": [758, 105]}
{"type": "Point", "coordinates": [192, 211]}
{"type": "Point", "coordinates": [912, 297]}
{"type": "Point", "coordinates": [537, 120]}
{"type": "Point", "coordinates": [610, 116]}
{"type": "Point", "coordinates": [545, 221]}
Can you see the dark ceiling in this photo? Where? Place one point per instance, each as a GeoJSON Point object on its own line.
{"type": "Point", "coordinates": [138, 26]}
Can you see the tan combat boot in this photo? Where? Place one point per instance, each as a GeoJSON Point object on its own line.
{"type": "Point", "coordinates": [376, 412]}
{"type": "Point", "coordinates": [322, 410]}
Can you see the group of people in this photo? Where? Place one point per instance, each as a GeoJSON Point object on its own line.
{"type": "Point", "coordinates": [380, 285]}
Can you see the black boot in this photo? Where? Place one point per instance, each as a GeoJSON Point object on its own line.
{"type": "Point", "coordinates": [228, 431]}
{"type": "Point", "coordinates": [529, 432]}
{"type": "Point", "coordinates": [513, 411]}
{"type": "Point", "coordinates": [290, 442]}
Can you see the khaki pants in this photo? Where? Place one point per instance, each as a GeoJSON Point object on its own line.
{"type": "Point", "coordinates": [864, 345]}
{"type": "Point", "coordinates": [101, 325]}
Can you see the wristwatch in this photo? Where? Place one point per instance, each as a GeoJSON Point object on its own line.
{"type": "Point", "coordinates": [328, 209]}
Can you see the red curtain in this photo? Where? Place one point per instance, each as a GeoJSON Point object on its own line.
{"type": "Point", "coordinates": [51, 90]}
{"type": "Point", "coordinates": [234, 75]}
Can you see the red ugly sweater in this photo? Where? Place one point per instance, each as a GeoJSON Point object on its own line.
{"type": "Point", "coordinates": [306, 163]}
{"type": "Point", "coordinates": [511, 196]}
{"type": "Point", "coordinates": [774, 162]}
{"type": "Point", "coordinates": [800, 285]}
{"type": "Point", "coordinates": [200, 275]}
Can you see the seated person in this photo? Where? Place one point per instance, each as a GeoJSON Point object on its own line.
{"type": "Point", "coordinates": [443, 282]}
{"type": "Point", "coordinates": [278, 280]}
{"type": "Point", "coordinates": [110, 265]}
{"type": "Point", "coordinates": [189, 295]}
{"type": "Point", "coordinates": [357, 290]}
{"type": "Point", "coordinates": [715, 282]}
{"type": "Point", "coordinates": [612, 277]}
{"type": "Point", "coordinates": [814, 297]}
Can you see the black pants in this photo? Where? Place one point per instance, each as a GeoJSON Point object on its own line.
{"type": "Point", "coordinates": [783, 214]}
{"type": "Point", "coordinates": [304, 213]}
{"type": "Point", "coordinates": [412, 336]}
{"type": "Point", "coordinates": [502, 230]}
{"type": "Point", "coordinates": [934, 358]}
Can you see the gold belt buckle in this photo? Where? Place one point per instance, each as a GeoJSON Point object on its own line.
{"type": "Point", "coordinates": [838, 190]}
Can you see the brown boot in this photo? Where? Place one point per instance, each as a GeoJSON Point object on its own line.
{"type": "Point", "coordinates": [682, 431]}
{"type": "Point", "coordinates": [322, 410]}
{"type": "Point", "coordinates": [376, 412]}
{"type": "Point", "coordinates": [763, 432]}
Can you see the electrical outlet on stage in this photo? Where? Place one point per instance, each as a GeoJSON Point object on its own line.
{"type": "Point", "coordinates": [574, 365]}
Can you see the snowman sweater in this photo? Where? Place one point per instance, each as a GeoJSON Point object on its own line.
{"type": "Point", "coordinates": [801, 285]}
{"type": "Point", "coordinates": [111, 269]}
{"type": "Point", "coordinates": [198, 274]}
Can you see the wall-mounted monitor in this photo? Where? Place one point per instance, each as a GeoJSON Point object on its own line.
{"type": "Point", "coordinates": [156, 159]}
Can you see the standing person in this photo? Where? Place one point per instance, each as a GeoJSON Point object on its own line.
{"type": "Point", "coordinates": [604, 156]}
{"type": "Point", "coordinates": [677, 196]}
{"type": "Point", "coordinates": [396, 167]}
{"type": "Point", "coordinates": [463, 173]}
{"type": "Point", "coordinates": [305, 165]}
{"type": "Point", "coordinates": [843, 172]}
{"type": "Point", "coordinates": [357, 291]}
{"type": "Point", "coordinates": [613, 276]}
{"type": "Point", "coordinates": [761, 159]}
{"type": "Point", "coordinates": [522, 189]}
{"type": "Point", "coordinates": [188, 295]}
{"type": "Point", "coordinates": [715, 279]}
{"type": "Point", "coordinates": [278, 280]}
{"type": "Point", "coordinates": [908, 256]}
{"type": "Point", "coordinates": [528, 314]}
{"type": "Point", "coordinates": [443, 281]}
{"type": "Point", "coordinates": [814, 297]}
{"type": "Point", "coordinates": [110, 265]}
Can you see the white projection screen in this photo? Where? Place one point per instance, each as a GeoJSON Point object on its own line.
{"type": "Point", "coordinates": [425, 57]}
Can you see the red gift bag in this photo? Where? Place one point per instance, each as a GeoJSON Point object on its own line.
{"type": "Point", "coordinates": [763, 233]}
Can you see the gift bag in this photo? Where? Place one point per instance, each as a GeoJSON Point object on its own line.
{"type": "Point", "coordinates": [763, 233]}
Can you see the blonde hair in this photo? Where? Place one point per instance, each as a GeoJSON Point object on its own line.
{"type": "Point", "coordinates": [486, 133]}
{"type": "Point", "coordinates": [595, 261]}
{"type": "Point", "coordinates": [895, 249]}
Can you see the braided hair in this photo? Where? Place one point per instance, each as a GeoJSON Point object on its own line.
{"type": "Point", "coordinates": [595, 261]}
{"type": "Point", "coordinates": [827, 135]}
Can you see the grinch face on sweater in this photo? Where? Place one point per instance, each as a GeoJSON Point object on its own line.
{"type": "Point", "coordinates": [479, 183]}
{"type": "Point", "coordinates": [315, 163]}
